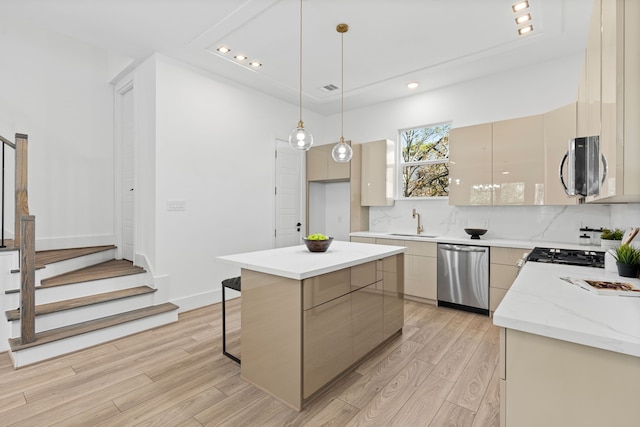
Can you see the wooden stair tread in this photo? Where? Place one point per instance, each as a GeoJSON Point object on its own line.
{"type": "Point", "coordinates": [57, 255]}
{"type": "Point", "coordinates": [82, 301]}
{"type": "Point", "coordinates": [92, 325]}
{"type": "Point", "coordinates": [103, 270]}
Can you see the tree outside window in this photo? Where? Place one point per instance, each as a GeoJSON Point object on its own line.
{"type": "Point", "coordinates": [424, 161]}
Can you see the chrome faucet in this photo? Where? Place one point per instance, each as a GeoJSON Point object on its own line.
{"type": "Point", "coordinates": [416, 214]}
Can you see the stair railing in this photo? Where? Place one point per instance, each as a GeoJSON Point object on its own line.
{"type": "Point", "coordinates": [23, 234]}
{"type": "Point", "coordinates": [21, 195]}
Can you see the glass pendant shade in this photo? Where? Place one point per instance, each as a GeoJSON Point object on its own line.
{"type": "Point", "coordinates": [342, 152]}
{"type": "Point", "coordinates": [300, 138]}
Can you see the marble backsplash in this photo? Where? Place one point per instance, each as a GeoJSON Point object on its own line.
{"type": "Point", "coordinates": [536, 223]}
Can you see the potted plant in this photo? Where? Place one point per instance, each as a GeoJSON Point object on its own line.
{"type": "Point", "coordinates": [627, 258]}
{"type": "Point", "coordinates": [610, 238]}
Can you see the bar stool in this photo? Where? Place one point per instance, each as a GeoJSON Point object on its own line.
{"type": "Point", "coordinates": [232, 283]}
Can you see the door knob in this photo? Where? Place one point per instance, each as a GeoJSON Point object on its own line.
{"type": "Point", "coordinates": [298, 226]}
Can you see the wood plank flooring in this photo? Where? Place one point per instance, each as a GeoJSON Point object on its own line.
{"type": "Point", "coordinates": [440, 372]}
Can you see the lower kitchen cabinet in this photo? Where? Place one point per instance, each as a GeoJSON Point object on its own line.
{"type": "Point", "coordinates": [392, 269]}
{"type": "Point", "coordinates": [420, 269]}
{"type": "Point", "coordinates": [346, 314]}
{"type": "Point", "coordinates": [327, 342]}
{"type": "Point", "coordinates": [421, 274]}
{"type": "Point", "coordinates": [549, 382]}
{"type": "Point", "coordinates": [357, 239]}
{"type": "Point", "coordinates": [503, 270]}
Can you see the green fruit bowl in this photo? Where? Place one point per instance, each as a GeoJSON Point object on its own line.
{"type": "Point", "coordinates": [317, 245]}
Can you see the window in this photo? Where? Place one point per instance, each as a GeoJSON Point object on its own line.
{"type": "Point", "coordinates": [424, 161]}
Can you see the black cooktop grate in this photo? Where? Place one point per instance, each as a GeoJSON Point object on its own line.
{"type": "Point", "coordinates": [578, 257]}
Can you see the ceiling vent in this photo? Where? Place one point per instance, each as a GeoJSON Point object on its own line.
{"type": "Point", "coordinates": [329, 88]}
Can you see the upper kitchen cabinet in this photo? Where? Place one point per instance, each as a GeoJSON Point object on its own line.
{"type": "Point", "coordinates": [619, 97]}
{"type": "Point", "coordinates": [470, 165]}
{"type": "Point", "coordinates": [321, 167]}
{"type": "Point", "coordinates": [378, 173]}
{"type": "Point", "coordinates": [559, 128]}
{"type": "Point", "coordinates": [589, 89]}
{"type": "Point", "coordinates": [518, 156]}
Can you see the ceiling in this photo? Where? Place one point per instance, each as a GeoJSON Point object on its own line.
{"type": "Point", "coordinates": [390, 42]}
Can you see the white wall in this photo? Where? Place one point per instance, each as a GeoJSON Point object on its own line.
{"type": "Point", "coordinates": [329, 205]}
{"type": "Point", "coordinates": [215, 147]}
{"type": "Point", "coordinates": [55, 90]}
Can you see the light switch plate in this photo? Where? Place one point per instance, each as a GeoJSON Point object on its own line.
{"type": "Point", "coordinates": [176, 205]}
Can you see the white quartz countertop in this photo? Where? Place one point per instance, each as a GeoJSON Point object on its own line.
{"type": "Point", "coordinates": [541, 303]}
{"type": "Point", "coordinates": [508, 243]}
{"type": "Point", "coordinates": [296, 262]}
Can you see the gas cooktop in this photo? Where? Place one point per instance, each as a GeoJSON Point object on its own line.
{"type": "Point", "coordinates": [578, 257]}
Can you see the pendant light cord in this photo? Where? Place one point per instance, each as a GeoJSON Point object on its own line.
{"type": "Point", "coordinates": [300, 64]}
{"type": "Point", "coordinates": [342, 87]}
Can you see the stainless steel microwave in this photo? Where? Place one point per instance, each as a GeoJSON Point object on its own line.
{"type": "Point", "coordinates": [583, 159]}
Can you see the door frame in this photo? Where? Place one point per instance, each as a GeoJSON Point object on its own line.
{"type": "Point", "coordinates": [120, 89]}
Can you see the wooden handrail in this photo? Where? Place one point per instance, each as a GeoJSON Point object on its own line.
{"type": "Point", "coordinates": [7, 142]}
{"type": "Point", "coordinates": [27, 279]}
{"type": "Point", "coordinates": [21, 194]}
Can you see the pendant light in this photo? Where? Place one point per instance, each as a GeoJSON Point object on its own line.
{"type": "Point", "coordinates": [342, 151]}
{"type": "Point", "coordinates": [300, 138]}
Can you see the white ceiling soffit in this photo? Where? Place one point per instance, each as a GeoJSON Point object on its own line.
{"type": "Point", "coordinates": [389, 44]}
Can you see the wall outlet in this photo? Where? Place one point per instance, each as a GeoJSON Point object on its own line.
{"type": "Point", "coordinates": [176, 205]}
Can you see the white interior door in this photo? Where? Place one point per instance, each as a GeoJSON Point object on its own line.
{"type": "Point", "coordinates": [288, 218]}
{"type": "Point", "coordinates": [127, 138]}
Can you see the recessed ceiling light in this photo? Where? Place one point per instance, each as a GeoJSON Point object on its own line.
{"type": "Point", "coordinates": [255, 64]}
{"type": "Point", "coordinates": [240, 57]}
{"type": "Point", "coordinates": [413, 85]}
{"type": "Point", "coordinates": [223, 49]}
{"type": "Point", "coordinates": [520, 5]}
{"type": "Point", "coordinates": [525, 30]}
{"type": "Point", "coordinates": [522, 19]}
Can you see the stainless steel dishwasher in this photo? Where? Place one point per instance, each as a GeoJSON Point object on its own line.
{"type": "Point", "coordinates": [463, 277]}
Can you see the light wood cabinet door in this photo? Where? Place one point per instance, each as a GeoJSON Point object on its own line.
{"type": "Point", "coordinates": [559, 129]}
{"type": "Point", "coordinates": [357, 239]}
{"type": "Point", "coordinates": [518, 161]}
{"type": "Point", "coordinates": [470, 165]}
{"type": "Point", "coordinates": [420, 270]}
{"type": "Point", "coordinates": [393, 293]}
{"type": "Point", "coordinates": [327, 343]}
{"type": "Point", "coordinates": [321, 167]}
{"type": "Point", "coordinates": [366, 319]}
{"type": "Point", "coordinates": [503, 271]}
{"type": "Point", "coordinates": [378, 173]}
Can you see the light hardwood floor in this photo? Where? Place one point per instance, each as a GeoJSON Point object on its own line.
{"type": "Point", "coordinates": [440, 372]}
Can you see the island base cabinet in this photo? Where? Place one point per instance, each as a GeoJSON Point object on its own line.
{"type": "Point", "coordinates": [271, 334]}
{"type": "Point", "coordinates": [393, 292]}
{"type": "Point", "coordinates": [366, 320]}
{"type": "Point", "coordinates": [327, 343]}
{"type": "Point", "coordinates": [551, 382]}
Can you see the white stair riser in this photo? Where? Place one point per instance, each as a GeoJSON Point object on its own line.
{"type": "Point", "coordinates": [68, 265]}
{"type": "Point", "coordinates": [9, 260]}
{"type": "Point", "coordinates": [76, 290]}
{"type": "Point", "coordinates": [42, 352]}
{"type": "Point", "coordinates": [83, 314]}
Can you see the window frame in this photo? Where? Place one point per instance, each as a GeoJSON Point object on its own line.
{"type": "Point", "coordinates": [400, 163]}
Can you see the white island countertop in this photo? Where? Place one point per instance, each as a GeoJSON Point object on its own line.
{"type": "Point", "coordinates": [296, 262]}
{"type": "Point", "coordinates": [541, 303]}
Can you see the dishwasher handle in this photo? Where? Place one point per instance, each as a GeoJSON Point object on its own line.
{"type": "Point", "coordinates": [462, 248]}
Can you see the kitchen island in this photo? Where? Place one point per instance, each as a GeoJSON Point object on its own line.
{"type": "Point", "coordinates": [309, 317]}
{"type": "Point", "coordinates": [569, 356]}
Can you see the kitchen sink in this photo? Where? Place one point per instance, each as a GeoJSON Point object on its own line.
{"type": "Point", "coordinates": [424, 236]}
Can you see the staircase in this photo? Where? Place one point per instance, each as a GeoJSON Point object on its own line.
{"type": "Point", "coordinates": [84, 297]}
